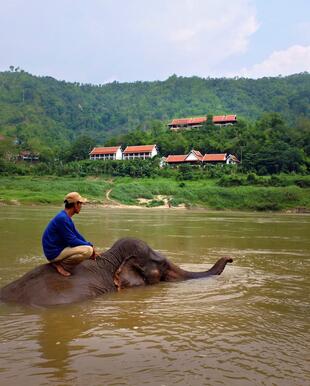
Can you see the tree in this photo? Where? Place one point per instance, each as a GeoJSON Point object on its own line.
{"type": "Point", "coordinates": [8, 149]}
{"type": "Point", "coordinates": [80, 148]}
{"type": "Point", "coordinates": [208, 125]}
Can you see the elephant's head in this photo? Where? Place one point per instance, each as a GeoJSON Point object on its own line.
{"type": "Point", "coordinates": [143, 266]}
{"type": "Point", "coordinates": [140, 270]}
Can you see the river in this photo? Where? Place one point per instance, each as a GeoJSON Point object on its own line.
{"type": "Point", "coordinates": [249, 326]}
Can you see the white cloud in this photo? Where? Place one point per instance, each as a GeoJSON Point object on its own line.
{"type": "Point", "coordinates": [295, 59]}
{"type": "Point", "coordinates": [183, 35]}
{"type": "Point", "coordinates": [210, 31]}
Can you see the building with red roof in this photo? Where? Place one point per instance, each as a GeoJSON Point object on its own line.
{"type": "Point", "coordinates": [106, 153]}
{"type": "Point", "coordinates": [175, 159]}
{"type": "Point", "coordinates": [28, 156]}
{"type": "Point", "coordinates": [193, 157]}
{"type": "Point", "coordinates": [223, 158]}
{"type": "Point", "coordinates": [140, 152]}
{"type": "Point", "coordinates": [214, 157]}
{"type": "Point", "coordinates": [196, 122]}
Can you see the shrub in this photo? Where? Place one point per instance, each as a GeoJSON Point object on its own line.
{"type": "Point", "coordinates": [251, 179]}
{"type": "Point", "coordinates": [231, 181]}
{"type": "Point", "coordinates": [302, 182]}
{"type": "Point", "coordinates": [154, 203]}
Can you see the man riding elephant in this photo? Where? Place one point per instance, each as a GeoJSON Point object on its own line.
{"type": "Point", "coordinates": [62, 244]}
{"type": "Point", "coordinates": [128, 263]}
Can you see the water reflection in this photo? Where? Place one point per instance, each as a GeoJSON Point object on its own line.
{"type": "Point", "coordinates": [56, 334]}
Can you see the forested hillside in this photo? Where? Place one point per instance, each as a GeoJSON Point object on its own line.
{"type": "Point", "coordinates": [42, 112]}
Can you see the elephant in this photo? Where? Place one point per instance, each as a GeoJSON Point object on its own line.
{"type": "Point", "coordinates": [128, 263]}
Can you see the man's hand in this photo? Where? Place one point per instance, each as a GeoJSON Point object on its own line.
{"type": "Point", "coordinates": [95, 254]}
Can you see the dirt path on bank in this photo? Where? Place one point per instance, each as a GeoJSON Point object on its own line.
{"type": "Point", "coordinates": [110, 203]}
{"type": "Point", "coordinates": [109, 200]}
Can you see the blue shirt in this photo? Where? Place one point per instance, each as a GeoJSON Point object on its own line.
{"type": "Point", "coordinates": [59, 234]}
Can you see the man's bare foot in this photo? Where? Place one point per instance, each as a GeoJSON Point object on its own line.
{"type": "Point", "coordinates": [60, 269]}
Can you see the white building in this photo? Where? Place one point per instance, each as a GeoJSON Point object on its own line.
{"type": "Point", "coordinates": [142, 152]}
{"type": "Point", "coordinates": [105, 153]}
{"type": "Point", "coordinates": [194, 157]}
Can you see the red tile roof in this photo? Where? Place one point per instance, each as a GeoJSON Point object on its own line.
{"type": "Point", "coordinates": [224, 118]}
{"type": "Point", "coordinates": [176, 158]}
{"type": "Point", "coordinates": [104, 150]}
{"type": "Point", "coordinates": [139, 149]}
{"type": "Point", "coordinates": [26, 153]}
{"type": "Point", "coordinates": [188, 121]}
{"type": "Point", "coordinates": [182, 158]}
{"type": "Point", "coordinates": [199, 120]}
{"type": "Point", "coordinates": [214, 157]}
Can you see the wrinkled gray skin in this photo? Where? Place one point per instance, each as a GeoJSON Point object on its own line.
{"type": "Point", "coordinates": [128, 263]}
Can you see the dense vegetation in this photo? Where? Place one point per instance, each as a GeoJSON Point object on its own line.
{"type": "Point", "coordinates": [43, 113]}
{"type": "Point", "coordinates": [267, 146]}
{"type": "Point", "coordinates": [266, 195]}
{"type": "Point", "coordinates": [63, 121]}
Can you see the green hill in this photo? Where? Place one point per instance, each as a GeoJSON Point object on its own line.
{"type": "Point", "coordinates": [47, 112]}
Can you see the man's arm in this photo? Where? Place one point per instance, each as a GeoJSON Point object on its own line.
{"type": "Point", "coordinates": [71, 236]}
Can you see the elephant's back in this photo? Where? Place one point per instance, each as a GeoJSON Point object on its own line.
{"type": "Point", "coordinates": [28, 286]}
{"type": "Point", "coordinates": [43, 286]}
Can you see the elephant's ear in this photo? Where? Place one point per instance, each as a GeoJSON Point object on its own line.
{"type": "Point", "coordinates": [129, 275]}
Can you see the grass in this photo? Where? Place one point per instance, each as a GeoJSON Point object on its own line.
{"type": "Point", "coordinates": [49, 190]}
{"type": "Point", "coordinates": [207, 194]}
{"type": "Point", "coordinates": [202, 193]}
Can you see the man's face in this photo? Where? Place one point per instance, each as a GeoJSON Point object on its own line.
{"type": "Point", "coordinates": [77, 207]}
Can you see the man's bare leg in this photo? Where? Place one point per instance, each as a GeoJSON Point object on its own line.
{"type": "Point", "coordinates": [60, 269]}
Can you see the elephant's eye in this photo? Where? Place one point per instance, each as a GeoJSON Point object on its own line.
{"type": "Point", "coordinates": [154, 272]}
{"type": "Point", "coordinates": [153, 276]}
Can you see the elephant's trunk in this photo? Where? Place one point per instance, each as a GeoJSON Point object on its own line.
{"type": "Point", "coordinates": [175, 273]}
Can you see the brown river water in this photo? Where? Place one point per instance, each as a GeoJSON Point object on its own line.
{"type": "Point", "coordinates": [249, 326]}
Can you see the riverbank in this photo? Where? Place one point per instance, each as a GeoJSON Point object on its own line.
{"type": "Point", "coordinates": [153, 193]}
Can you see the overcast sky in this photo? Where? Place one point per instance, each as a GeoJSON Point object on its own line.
{"type": "Point", "coordinates": [99, 41]}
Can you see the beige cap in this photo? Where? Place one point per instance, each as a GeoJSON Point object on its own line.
{"type": "Point", "coordinates": [75, 197]}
